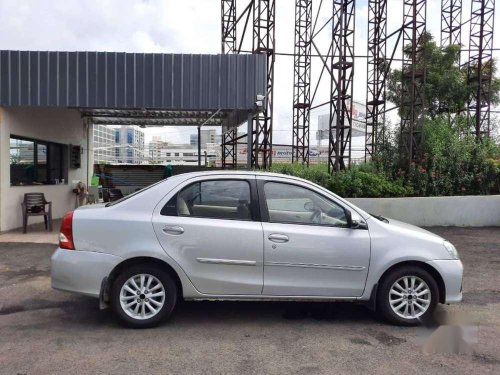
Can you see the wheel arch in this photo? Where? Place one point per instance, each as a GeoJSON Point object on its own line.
{"type": "Point", "coordinates": [145, 260]}
{"type": "Point", "coordinates": [425, 266]}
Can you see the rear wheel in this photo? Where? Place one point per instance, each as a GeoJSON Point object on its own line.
{"type": "Point", "coordinates": [142, 296]}
{"type": "Point", "coordinates": [407, 296]}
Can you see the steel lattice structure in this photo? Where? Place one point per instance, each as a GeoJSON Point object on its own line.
{"type": "Point", "coordinates": [229, 148]}
{"type": "Point", "coordinates": [341, 89]}
{"type": "Point", "coordinates": [338, 61]}
{"type": "Point", "coordinates": [263, 42]}
{"type": "Point", "coordinates": [302, 81]}
{"type": "Point", "coordinates": [228, 26]}
{"type": "Point", "coordinates": [228, 33]}
{"type": "Point", "coordinates": [479, 72]}
{"type": "Point", "coordinates": [413, 78]}
{"type": "Point", "coordinates": [377, 69]}
{"type": "Point", "coordinates": [451, 22]}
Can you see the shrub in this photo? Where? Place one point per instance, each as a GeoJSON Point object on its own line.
{"type": "Point", "coordinates": [359, 181]}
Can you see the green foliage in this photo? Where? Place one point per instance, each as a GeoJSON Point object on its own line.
{"type": "Point", "coordinates": [452, 164]}
{"type": "Point", "coordinates": [359, 181]}
{"type": "Point", "coordinates": [447, 89]}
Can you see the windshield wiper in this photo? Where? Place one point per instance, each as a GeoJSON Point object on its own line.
{"type": "Point", "coordinates": [381, 218]}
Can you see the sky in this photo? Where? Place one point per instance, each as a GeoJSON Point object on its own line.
{"type": "Point", "coordinates": [190, 26]}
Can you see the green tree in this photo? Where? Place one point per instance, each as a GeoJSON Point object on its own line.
{"type": "Point", "coordinates": [444, 83]}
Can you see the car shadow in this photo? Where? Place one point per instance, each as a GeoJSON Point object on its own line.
{"type": "Point", "coordinates": [84, 311]}
{"type": "Point", "coordinates": [243, 311]}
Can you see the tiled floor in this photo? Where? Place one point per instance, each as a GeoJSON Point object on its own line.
{"type": "Point", "coordinates": [36, 233]}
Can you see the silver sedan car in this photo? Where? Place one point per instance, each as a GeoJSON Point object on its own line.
{"type": "Point", "coordinates": [249, 236]}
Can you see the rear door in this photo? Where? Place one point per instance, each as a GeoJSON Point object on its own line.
{"type": "Point", "coordinates": [211, 227]}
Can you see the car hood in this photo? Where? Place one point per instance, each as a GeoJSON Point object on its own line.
{"type": "Point", "coordinates": [413, 228]}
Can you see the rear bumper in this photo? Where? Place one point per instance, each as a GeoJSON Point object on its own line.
{"type": "Point", "coordinates": [452, 273]}
{"type": "Point", "coordinates": [81, 271]}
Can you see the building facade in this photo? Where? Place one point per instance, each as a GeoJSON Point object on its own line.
{"type": "Point", "coordinates": [129, 145]}
{"type": "Point", "coordinates": [104, 144]}
{"type": "Point", "coordinates": [207, 136]}
{"type": "Point", "coordinates": [157, 150]}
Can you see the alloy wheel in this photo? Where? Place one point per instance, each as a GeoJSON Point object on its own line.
{"type": "Point", "coordinates": [409, 297]}
{"type": "Point", "coordinates": [142, 296]}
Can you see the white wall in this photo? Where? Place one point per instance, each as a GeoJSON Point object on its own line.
{"type": "Point", "coordinates": [56, 125]}
{"type": "Point", "coordinates": [461, 211]}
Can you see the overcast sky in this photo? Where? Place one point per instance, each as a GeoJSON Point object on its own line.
{"type": "Point", "coordinates": [187, 26]}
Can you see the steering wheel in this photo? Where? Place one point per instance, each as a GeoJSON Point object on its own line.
{"type": "Point", "coordinates": [317, 215]}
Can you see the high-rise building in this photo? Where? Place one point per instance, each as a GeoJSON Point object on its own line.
{"type": "Point", "coordinates": [157, 150]}
{"type": "Point", "coordinates": [104, 142]}
{"type": "Point", "coordinates": [118, 145]}
{"type": "Point", "coordinates": [129, 145]}
{"type": "Point", "coordinates": [207, 136]}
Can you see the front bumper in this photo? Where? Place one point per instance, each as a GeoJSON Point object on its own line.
{"type": "Point", "coordinates": [81, 271]}
{"type": "Point", "coordinates": [452, 273]}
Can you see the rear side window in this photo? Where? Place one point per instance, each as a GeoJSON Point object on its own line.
{"type": "Point", "coordinates": [216, 199]}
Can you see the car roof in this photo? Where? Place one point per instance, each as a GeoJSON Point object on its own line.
{"type": "Point", "coordinates": [237, 172]}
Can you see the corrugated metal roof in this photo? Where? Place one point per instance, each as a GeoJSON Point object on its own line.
{"type": "Point", "coordinates": [131, 80]}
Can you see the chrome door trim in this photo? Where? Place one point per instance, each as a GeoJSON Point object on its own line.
{"type": "Point", "coordinates": [231, 262]}
{"type": "Point", "coordinates": [312, 265]}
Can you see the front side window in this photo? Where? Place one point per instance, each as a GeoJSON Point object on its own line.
{"type": "Point", "coordinates": [218, 199]}
{"type": "Point", "coordinates": [294, 204]}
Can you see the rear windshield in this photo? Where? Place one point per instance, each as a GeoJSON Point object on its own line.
{"type": "Point", "coordinates": [109, 204]}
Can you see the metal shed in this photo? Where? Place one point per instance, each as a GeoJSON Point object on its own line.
{"type": "Point", "coordinates": [109, 86]}
{"type": "Point", "coordinates": [130, 80]}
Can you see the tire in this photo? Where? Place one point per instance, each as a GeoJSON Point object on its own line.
{"type": "Point", "coordinates": [402, 314]}
{"type": "Point", "coordinates": [153, 307]}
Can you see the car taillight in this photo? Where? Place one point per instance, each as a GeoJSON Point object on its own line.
{"type": "Point", "coordinates": [66, 233]}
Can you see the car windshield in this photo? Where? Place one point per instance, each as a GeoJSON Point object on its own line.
{"type": "Point", "coordinates": [109, 204]}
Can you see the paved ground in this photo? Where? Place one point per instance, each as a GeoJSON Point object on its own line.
{"type": "Point", "coordinates": [36, 233]}
{"type": "Point", "coordinates": [44, 331]}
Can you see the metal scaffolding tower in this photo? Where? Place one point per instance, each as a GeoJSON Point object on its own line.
{"type": "Point", "coordinates": [228, 24]}
{"type": "Point", "coordinates": [302, 81]}
{"type": "Point", "coordinates": [229, 148]}
{"type": "Point", "coordinates": [479, 65]}
{"type": "Point", "coordinates": [338, 61]}
{"type": "Point", "coordinates": [228, 37]}
{"type": "Point", "coordinates": [377, 69]}
{"type": "Point", "coordinates": [413, 78]}
{"type": "Point", "coordinates": [263, 42]}
{"type": "Point", "coordinates": [451, 22]}
{"type": "Point", "coordinates": [341, 88]}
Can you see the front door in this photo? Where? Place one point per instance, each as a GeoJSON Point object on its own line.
{"type": "Point", "coordinates": [211, 230]}
{"type": "Point", "coordinates": [309, 248]}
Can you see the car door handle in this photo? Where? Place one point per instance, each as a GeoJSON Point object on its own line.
{"type": "Point", "coordinates": [173, 229]}
{"type": "Point", "coordinates": [280, 238]}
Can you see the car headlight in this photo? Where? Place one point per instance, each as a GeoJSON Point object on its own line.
{"type": "Point", "coordinates": [451, 249]}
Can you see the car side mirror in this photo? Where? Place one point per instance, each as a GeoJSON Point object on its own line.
{"type": "Point", "coordinates": [355, 222]}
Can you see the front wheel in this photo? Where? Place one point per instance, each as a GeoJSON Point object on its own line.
{"type": "Point", "coordinates": [407, 296]}
{"type": "Point", "coordinates": [143, 295]}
